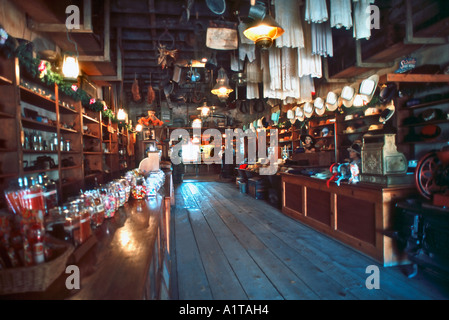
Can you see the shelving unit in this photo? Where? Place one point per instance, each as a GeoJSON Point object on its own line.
{"type": "Point", "coordinates": [71, 139]}
{"type": "Point", "coordinates": [352, 130]}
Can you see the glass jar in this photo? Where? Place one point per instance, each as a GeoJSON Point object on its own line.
{"type": "Point", "coordinates": [109, 201]}
{"type": "Point", "coordinates": [55, 223]}
{"type": "Point", "coordinates": [127, 188]}
{"type": "Point", "coordinates": [121, 192]}
{"type": "Point", "coordinates": [98, 202]}
{"type": "Point", "coordinates": [139, 190]}
{"type": "Point", "coordinates": [80, 221]}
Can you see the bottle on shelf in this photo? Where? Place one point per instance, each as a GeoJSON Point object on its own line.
{"type": "Point", "coordinates": [54, 142]}
{"type": "Point", "coordinates": [61, 145]}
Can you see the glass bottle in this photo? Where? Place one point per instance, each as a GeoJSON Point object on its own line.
{"type": "Point", "coordinates": [50, 193]}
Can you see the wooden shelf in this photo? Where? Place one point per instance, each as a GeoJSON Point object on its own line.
{"type": "Point", "coordinates": [36, 99]}
{"type": "Point", "coordinates": [408, 77]}
{"type": "Point", "coordinates": [40, 151]}
{"type": "Point", "coordinates": [425, 123]}
{"type": "Point", "coordinates": [36, 171]}
{"type": "Point", "coordinates": [5, 81]}
{"type": "Point", "coordinates": [91, 136]}
{"type": "Point", "coordinates": [66, 110]}
{"type": "Point", "coordinates": [67, 130]}
{"type": "Point", "coordinates": [36, 125]}
{"type": "Point", "coordinates": [425, 105]}
{"type": "Point", "coordinates": [90, 119]}
{"type": "Point", "coordinates": [6, 115]}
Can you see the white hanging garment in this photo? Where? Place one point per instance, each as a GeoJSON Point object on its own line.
{"type": "Point", "coordinates": [322, 44]}
{"type": "Point", "coordinates": [362, 26]}
{"type": "Point", "coordinates": [288, 16]}
{"type": "Point", "coordinates": [307, 88]}
{"type": "Point", "coordinates": [247, 48]}
{"type": "Point", "coordinates": [236, 64]}
{"type": "Point", "coordinates": [308, 63]}
{"type": "Point", "coordinates": [253, 71]}
{"type": "Point", "coordinates": [340, 14]}
{"type": "Point", "coordinates": [316, 11]}
{"type": "Point", "coordinates": [252, 90]}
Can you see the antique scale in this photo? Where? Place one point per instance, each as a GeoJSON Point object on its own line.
{"type": "Point", "coordinates": [382, 163]}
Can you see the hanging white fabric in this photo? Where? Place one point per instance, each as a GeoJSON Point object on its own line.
{"type": "Point", "coordinates": [252, 90]}
{"type": "Point", "coordinates": [362, 12]}
{"type": "Point", "coordinates": [316, 11]}
{"type": "Point", "coordinates": [236, 63]}
{"type": "Point", "coordinates": [322, 44]}
{"type": "Point", "coordinates": [340, 12]}
{"type": "Point", "coordinates": [288, 16]}
{"type": "Point", "coordinates": [247, 48]}
{"type": "Point", "coordinates": [309, 63]}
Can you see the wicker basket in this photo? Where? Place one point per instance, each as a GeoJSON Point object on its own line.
{"type": "Point", "coordinates": [35, 278]}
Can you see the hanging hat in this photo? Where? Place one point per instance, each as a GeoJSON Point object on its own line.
{"type": "Point", "coordinates": [387, 92]}
{"type": "Point", "coordinates": [290, 114]}
{"type": "Point", "coordinates": [368, 87]}
{"type": "Point", "coordinates": [332, 101]}
{"type": "Point", "coordinates": [347, 95]}
{"type": "Point", "coordinates": [299, 113]}
{"type": "Point", "coordinates": [308, 109]}
{"type": "Point", "coordinates": [319, 106]}
{"type": "Point", "coordinates": [386, 114]}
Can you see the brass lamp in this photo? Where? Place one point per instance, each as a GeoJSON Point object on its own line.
{"type": "Point", "coordinates": [263, 29]}
{"type": "Point", "coordinates": [222, 88]}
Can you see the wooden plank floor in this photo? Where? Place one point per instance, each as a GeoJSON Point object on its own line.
{"type": "Point", "coordinates": [229, 246]}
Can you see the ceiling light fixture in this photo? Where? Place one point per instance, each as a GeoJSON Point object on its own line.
{"type": "Point", "coordinates": [205, 110]}
{"type": "Point", "coordinates": [222, 88]}
{"type": "Point", "coordinates": [263, 29]}
{"type": "Point", "coordinates": [70, 64]}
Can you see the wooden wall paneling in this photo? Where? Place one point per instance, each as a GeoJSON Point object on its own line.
{"type": "Point", "coordinates": [319, 205]}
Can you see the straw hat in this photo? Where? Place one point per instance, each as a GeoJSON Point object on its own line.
{"type": "Point", "coordinates": [368, 87]}
{"type": "Point", "coordinates": [299, 113]}
{"type": "Point", "coordinates": [332, 101]}
{"type": "Point", "coordinates": [319, 106]}
{"type": "Point", "coordinates": [308, 109]}
{"type": "Point", "coordinates": [347, 95]}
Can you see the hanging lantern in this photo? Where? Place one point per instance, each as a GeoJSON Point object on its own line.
{"type": "Point", "coordinates": [263, 30]}
{"type": "Point", "coordinates": [205, 110]}
{"type": "Point", "coordinates": [121, 115]}
{"type": "Point", "coordinates": [70, 68]}
{"type": "Point", "coordinates": [222, 88]}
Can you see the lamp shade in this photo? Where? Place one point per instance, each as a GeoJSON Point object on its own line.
{"type": "Point", "coordinates": [263, 32]}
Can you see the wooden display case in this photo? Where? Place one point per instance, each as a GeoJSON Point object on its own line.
{"type": "Point", "coordinates": [356, 215]}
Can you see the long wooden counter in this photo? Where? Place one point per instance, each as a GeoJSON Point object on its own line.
{"type": "Point", "coordinates": [128, 261]}
{"type": "Point", "coordinates": [355, 214]}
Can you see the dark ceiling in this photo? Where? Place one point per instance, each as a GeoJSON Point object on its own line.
{"type": "Point", "coordinates": [122, 44]}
